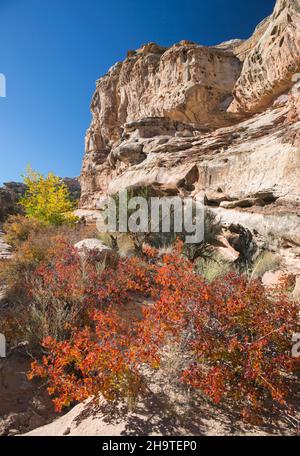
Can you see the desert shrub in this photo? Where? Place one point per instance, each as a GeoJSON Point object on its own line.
{"type": "Point", "coordinates": [47, 199]}
{"type": "Point", "coordinates": [56, 287]}
{"type": "Point", "coordinates": [212, 228]}
{"type": "Point", "coordinates": [18, 229]}
{"type": "Point", "coordinates": [16, 270]}
{"type": "Point", "coordinates": [97, 356]}
{"type": "Point", "coordinates": [234, 336]}
{"type": "Point", "coordinates": [34, 309]}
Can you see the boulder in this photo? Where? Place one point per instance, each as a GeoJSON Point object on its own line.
{"type": "Point", "coordinates": [129, 153]}
{"type": "Point", "coordinates": [216, 198]}
{"type": "Point", "coordinates": [96, 249]}
{"type": "Point", "coordinates": [225, 250]}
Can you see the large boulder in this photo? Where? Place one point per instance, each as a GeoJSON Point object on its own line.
{"type": "Point", "coordinates": [185, 84]}
{"type": "Point", "coordinates": [24, 404]}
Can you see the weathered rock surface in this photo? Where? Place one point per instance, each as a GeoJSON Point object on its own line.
{"type": "Point", "coordinates": [296, 292]}
{"type": "Point", "coordinates": [187, 83]}
{"type": "Point", "coordinates": [5, 249]}
{"type": "Point", "coordinates": [272, 59]}
{"type": "Point", "coordinates": [9, 196]}
{"type": "Point", "coordinates": [272, 278]}
{"type": "Point", "coordinates": [99, 251]}
{"type": "Point", "coordinates": [161, 119]}
{"type": "Point", "coordinates": [88, 245]}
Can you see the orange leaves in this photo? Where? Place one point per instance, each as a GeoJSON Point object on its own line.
{"type": "Point", "coordinates": [234, 335]}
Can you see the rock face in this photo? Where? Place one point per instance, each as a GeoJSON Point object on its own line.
{"type": "Point", "coordinates": [98, 250]}
{"type": "Point", "coordinates": [187, 84]}
{"type": "Point", "coordinates": [272, 61]}
{"type": "Point", "coordinates": [9, 196]}
{"type": "Point", "coordinates": [5, 250]}
{"type": "Point", "coordinates": [217, 121]}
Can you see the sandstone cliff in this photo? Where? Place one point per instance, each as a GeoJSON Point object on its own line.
{"type": "Point", "coordinates": [220, 120]}
{"type": "Point", "coordinates": [272, 59]}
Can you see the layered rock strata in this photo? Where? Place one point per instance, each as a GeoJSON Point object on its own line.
{"type": "Point", "coordinates": [218, 121]}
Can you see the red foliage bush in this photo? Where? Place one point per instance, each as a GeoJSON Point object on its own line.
{"type": "Point", "coordinates": [235, 336]}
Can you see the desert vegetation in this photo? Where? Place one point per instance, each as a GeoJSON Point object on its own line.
{"type": "Point", "coordinates": [93, 335]}
{"type": "Point", "coordinates": [105, 329]}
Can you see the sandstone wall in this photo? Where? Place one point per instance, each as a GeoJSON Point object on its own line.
{"type": "Point", "coordinates": [272, 61]}
{"type": "Point", "coordinates": [221, 121]}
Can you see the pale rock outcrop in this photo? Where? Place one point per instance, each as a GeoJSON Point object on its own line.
{"type": "Point", "coordinates": [90, 245]}
{"type": "Point", "coordinates": [296, 291]}
{"type": "Point", "coordinates": [272, 60]}
{"type": "Point", "coordinates": [97, 250]}
{"type": "Point", "coordinates": [187, 83]}
{"type": "Point", "coordinates": [161, 120]}
{"type": "Point", "coordinates": [24, 404]}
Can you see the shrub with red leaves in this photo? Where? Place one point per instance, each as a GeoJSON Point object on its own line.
{"type": "Point", "coordinates": [235, 336]}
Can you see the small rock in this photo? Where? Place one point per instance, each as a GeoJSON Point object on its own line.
{"type": "Point", "coordinates": [226, 250]}
{"type": "Point", "coordinates": [13, 432]}
{"type": "Point", "coordinates": [216, 197]}
{"type": "Point", "coordinates": [245, 202]}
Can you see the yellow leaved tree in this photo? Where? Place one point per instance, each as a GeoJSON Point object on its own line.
{"type": "Point", "coordinates": [47, 199]}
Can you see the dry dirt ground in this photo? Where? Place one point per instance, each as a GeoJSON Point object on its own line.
{"type": "Point", "coordinates": [165, 409]}
{"type": "Point", "coordinates": [24, 405]}
{"type": "Point", "coordinates": [155, 416]}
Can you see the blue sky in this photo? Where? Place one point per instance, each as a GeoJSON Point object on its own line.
{"type": "Point", "coordinates": [52, 52]}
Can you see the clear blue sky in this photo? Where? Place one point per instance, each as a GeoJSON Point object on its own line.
{"type": "Point", "coordinates": [52, 52]}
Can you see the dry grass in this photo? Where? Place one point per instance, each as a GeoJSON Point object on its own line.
{"type": "Point", "coordinates": [213, 267]}
{"type": "Point", "coordinates": [267, 261]}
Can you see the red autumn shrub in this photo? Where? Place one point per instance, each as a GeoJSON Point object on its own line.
{"type": "Point", "coordinates": [235, 337]}
{"type": "Point", "coordinates": [98, 355]}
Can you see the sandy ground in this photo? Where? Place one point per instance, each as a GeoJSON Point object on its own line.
{"type": "Point", "coordinates": [152, 417]}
